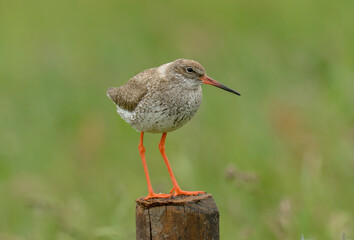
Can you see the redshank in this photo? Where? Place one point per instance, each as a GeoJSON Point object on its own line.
{"type": "Point", "coordinates": [161, 100]}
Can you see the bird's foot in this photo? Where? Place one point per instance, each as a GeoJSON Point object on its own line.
{"type": "Point", "coordinates": [179, 191]}
{"type": "Point", "coordinates": [157, 195]}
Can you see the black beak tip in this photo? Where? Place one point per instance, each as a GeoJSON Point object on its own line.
{"type": "Point", "coordinates": [238, 94]}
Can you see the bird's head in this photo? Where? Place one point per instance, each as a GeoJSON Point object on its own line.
{"type": "Point", "coordinates": [193, 73]}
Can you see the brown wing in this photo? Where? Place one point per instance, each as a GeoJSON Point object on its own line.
{"type": "Point", "coordinates": [130, 94]}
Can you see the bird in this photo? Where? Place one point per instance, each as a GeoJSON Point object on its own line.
{"type": "Point", "coordinates": [161, 100]}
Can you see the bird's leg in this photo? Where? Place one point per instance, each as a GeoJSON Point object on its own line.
{"type": "Point", "coordinates": [176, 189]}
{"type": "Point", "coordinates": [142, 154]}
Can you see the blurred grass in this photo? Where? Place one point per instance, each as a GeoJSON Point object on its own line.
{"type": "Point", "coordinates": [278, 160]}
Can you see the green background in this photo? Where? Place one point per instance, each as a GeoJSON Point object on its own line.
{"type": "Point", "coordinates": [278, 160]}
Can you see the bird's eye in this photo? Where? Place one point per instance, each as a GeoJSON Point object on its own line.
{"type": "Point", "coordinates": [190, 70]}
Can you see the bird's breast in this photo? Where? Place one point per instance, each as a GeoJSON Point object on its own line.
{"type": "Point", "coordinates": [166, 111]}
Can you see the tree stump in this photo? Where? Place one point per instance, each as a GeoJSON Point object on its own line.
{"type": "Point", "coordinates": [177, 218]}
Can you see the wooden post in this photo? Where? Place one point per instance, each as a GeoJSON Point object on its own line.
{"type": "Point", "coordinates": [177, 218]}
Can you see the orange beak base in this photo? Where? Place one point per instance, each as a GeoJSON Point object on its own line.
{"type": "Point", "coordinates": [207, 80]}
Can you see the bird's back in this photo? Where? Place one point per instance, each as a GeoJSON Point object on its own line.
{"type": "Point", "coordinates": [149, 103]}
{"type": "Point", "coordinates": [130, 94]}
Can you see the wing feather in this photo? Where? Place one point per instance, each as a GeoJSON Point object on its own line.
{"type": "Point", "coordinates": [130, 94]}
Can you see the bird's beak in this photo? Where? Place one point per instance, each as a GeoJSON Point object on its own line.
{"type": "Point", "coordinates": [207, 80]}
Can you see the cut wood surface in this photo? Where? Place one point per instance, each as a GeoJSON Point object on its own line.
{"type": "Point", "coordinates": [181, 217]}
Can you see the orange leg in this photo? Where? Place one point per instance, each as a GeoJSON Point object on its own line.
{"type": "Point", "coordinates": [142, 154]}
{"type": "Point", "coordinates": [176, 188]}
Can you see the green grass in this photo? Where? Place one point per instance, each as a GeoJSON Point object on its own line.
{"type": "Point", "coordinates": [278, 160]}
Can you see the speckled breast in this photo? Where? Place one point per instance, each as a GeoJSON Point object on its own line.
{"type": "Point", "coordinates": [165, 111]}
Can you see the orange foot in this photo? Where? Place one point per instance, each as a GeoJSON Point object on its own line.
{"type": "Point", "coordinates": [158, 195]}
{"type": "Point", "coordinates": [179, 191]}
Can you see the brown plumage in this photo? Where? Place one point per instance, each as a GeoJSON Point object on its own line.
{"type": "Point", "coordinates": [129, 95]}
{"type": "Point", "coordinates": [161, 100]}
